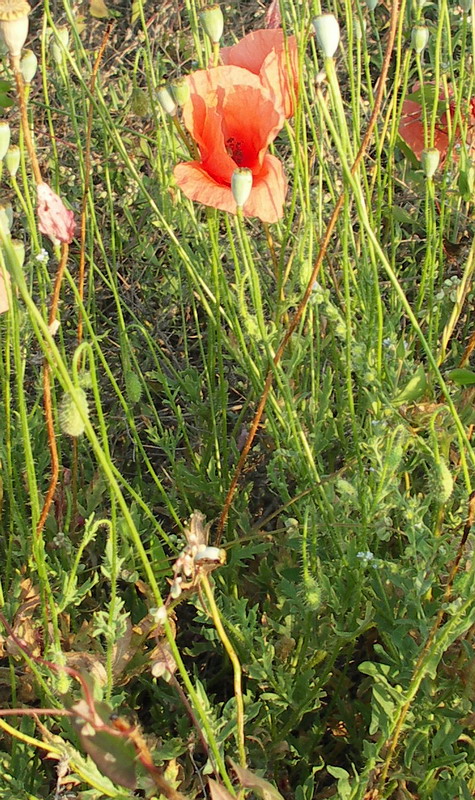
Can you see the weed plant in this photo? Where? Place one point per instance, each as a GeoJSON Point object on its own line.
{"type": "Point", "coordinates": [333, 653]}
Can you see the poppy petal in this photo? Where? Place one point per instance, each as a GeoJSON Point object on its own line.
{"type": "Point", "coordinates": [251, 51]}
{"type": "Point", "coordinates": [266, 199]}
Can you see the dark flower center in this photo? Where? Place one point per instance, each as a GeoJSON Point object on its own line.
{"type": "Point", "coordinates": [234, 148]}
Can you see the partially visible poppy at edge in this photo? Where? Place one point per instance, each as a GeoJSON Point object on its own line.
{"type": "Point", "coordinates": [273, 58]}
{"type": "Point", "coordinates": [4, 306]}
{"type": "Point", "coordinates": [411, 127]}
{"type": "Point", "coordinates": [221, 116]}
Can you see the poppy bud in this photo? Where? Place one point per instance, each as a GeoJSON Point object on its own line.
{"type": "Point", "coordinates": [70, 418]}
{"type": "Point", "coordinates": [181, 91]}
{"type": "Point", "coordinates": [360, 29]}
{"type": "Point", "coordinates": [241, 185]}
{"type": "Point", "coordinates": [4, 139]}
{"type": "Point", "coordinates": [466, 5]}
{"type": "Point", "coordinates": [327, 31]}
{"type": "Point", "coordinates": [213, 22]}
{"type": "Point", "coordinates": [419, 38]}
{"type": "Point", "coordinates": [12, 159]}
{"type": "Point", "coordinates": [430, 161]}
{"type": "Point", "coordinates": [61, 38]}
{"type": "Point", "coordinates": [371, 4]}
{"type": "Point", "coordinates": [14, 26]}
{"type": "Point", "coordinates": [28, 65]}
{"type": "Point", "coordinates": [6, 218]}
{"type": "Point", "coordinates": [166, 101]}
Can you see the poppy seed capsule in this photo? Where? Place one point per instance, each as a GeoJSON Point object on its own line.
{"type": "Point", "coordinates": [12, 159]}
{"type": "Point", "coordinates": [327, 31]}
{"type": "Point", "coordinates": [166, 101]}
{"type": "Point", "coordinates": [4, 139]}
{"type": "Point", "coordinates": [430, 161]}
{"type": "Point", "coordinates": [14, 26]}
{"type": "Point", "coordinates": [241, 185]}
{"type": "Point", "coordinates": [28, 65]}
{"type": "Point", "coordinates": [181, 91]}
{"type": "Point", "coordinates": [212, 21]}
{"type": "Point", "coordinates": [419, 38]}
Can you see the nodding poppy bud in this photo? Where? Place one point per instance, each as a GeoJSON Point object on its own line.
{"type": "Point", "coordinates": [360, 29]}
{"type": "Point", "coordinates": [28, 65]}
{"type": "Point", "coordinates": [372, 4]}
{"type": "Point", "coordinates": [430, 161]}
{"type": "Point", "coordinates": [181, 91]}
{"type": "Point", "coordinates": [70, 416]}
{"type": "Point", "coordinates": [419, 38]}
{"type": "Point", "coordinates": [61, 38]}
{"type": "Point", "coordinates": [12, 159]}
{"type": "Point", "coordinates": [213, 22]}
{"type": "Point", "coordinates": [327, 31]}
{"type": "Point", "coordinates": [4, 139]}
{"type": "Point", "coordinates": [241, 185]}
{"type": "Point", "coordinates": [14, 25]}
{"type": "Point", "coordinates": [166, 101]}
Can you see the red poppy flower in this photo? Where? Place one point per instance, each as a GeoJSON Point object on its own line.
{"type": "Point", "coordinates": [266, 53]}
{"type": "Point", "coordinates": [232, 118]}
{"type": "Point", "coordinates": [411, 127]}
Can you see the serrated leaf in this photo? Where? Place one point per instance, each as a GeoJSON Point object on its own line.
{"type": "Point", "coordinates": [98, 9]}
{"type": "Point", "coordinates": [261, 787]}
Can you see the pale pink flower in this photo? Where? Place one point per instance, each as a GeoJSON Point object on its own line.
{"type": "Point", "coordinates": [54, 219]}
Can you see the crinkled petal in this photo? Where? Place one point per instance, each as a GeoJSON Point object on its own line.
{"type": "Point", "coordinates": [266, 200]}
{"type": "Point", "coordinates": [252, 50]}
{"type": "Point", "coordinates": [267, 197]}
{"type": "Point", "coordinates": [266, 53]}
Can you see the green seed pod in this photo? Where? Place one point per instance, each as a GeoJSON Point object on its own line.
{"type": "Point", "coordinates": [140, 103]}
{"type": "Point", "coordinates": [327, 31]}
{"type": "Point", "coordinates": [70, 418]}
{"type": "Point", "coordinates": [166, 101]}
{"type": "Point", "coordinates": [311, 593]}
{"type": "Point", "coordinates": [419, 38]}
{"type": "Point", "coordinates": [133, 387]}
{"type": "Point", "coordinates": [241, 185]}
{"type": "Point", "coordinates": [181, 91]}
{"type": "Point", "coordinates": [12, 159]}
{"type": "Point", "coordinates": [28, 65]}
{"type": "Point", "coordinates": [430, 161]}
{"type": "Point", "coordinates": [4, 139]}
{"type": "Point", "coordinates": [212, 21]}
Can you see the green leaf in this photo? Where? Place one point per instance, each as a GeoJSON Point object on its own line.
{"type": "Point", "coordinates": [414, 389]}
{"type": "Point", "coordinates": [462, 376]}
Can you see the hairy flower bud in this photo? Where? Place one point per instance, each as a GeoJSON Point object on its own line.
{"type": "Point", "coordinates": [327, 31]}
{"type": "Point", "coordinates": [419, 38]}
{"type": "Point", "coordinates": [213, 22]}
{"type": "Point", "coordinates": [430, 161]}
{"type": "Point", "coordinates": [72, 411]}
{"type": "Point", "coordinates": [4, 139]}
{"type": "Point", "coordinates": [241, 185]}
{"type": "Point", "coordinates": [58, 42]}
{"type": "Point", "coordinates": [28, 65]}
{"type": "Point", "coordinates": [181, 91]}
{"type": "Point", "coordinates": [166, 101]}
{"type": "Point", "coordinates": [12, 159]}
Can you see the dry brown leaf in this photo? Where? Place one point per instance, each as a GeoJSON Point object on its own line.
{"type": "Point", "coordinates": [98, 9]}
